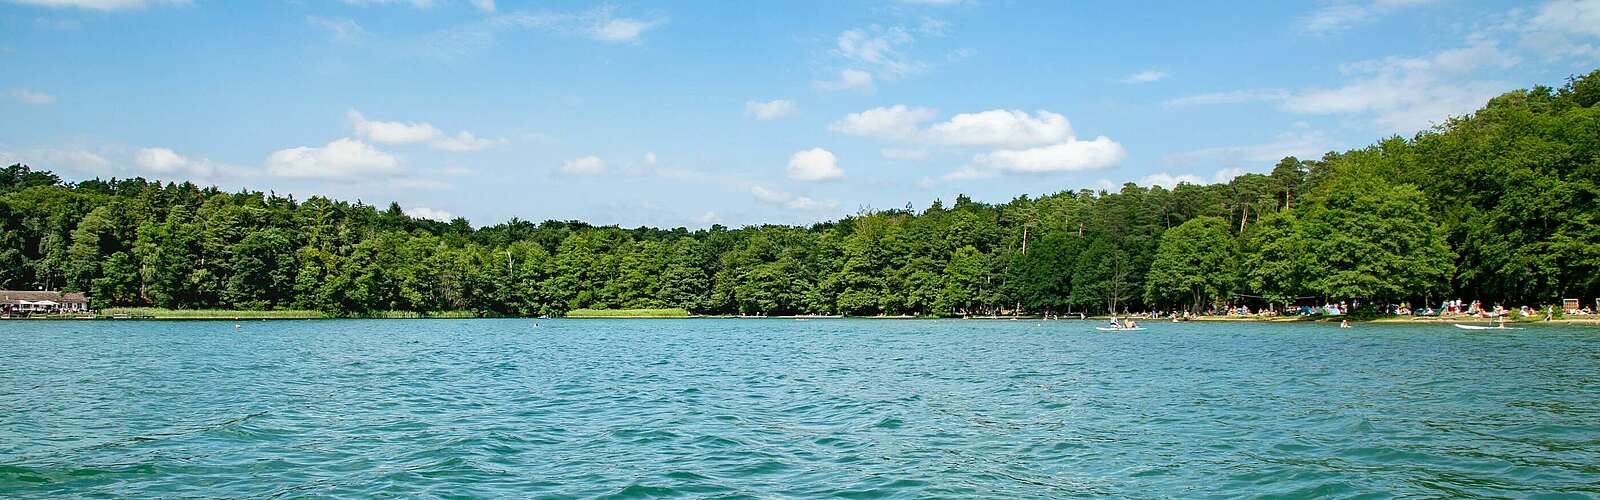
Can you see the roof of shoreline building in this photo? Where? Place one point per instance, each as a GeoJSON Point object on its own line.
{"type": "Point", "coordinates": [13, 296]}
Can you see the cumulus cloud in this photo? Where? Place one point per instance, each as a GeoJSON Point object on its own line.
{"type": "Point", "coordinates": [769, 110]}
{"type": "Point", "coordinates": [849, 79]}
{"type": "Point", "coordinates": [1169, 180]}
{"type": "Point", "coordinates": [1026, 143]}
{"type": "Point", "coordinates": [394, 132]}
{"type": "Point", "coordinates": [429, 213]}
{"type": "Point", "coordinates": [999, 127]}
{"type": "Point", "coordinates": [1069, 155]}
{"type": "Point", "coordinates": [787, 200]}
{"type": "Point", "coordinates": [342, 159]}
{"type": "Point", "coordinates": [1146, 76]}
{"type": "Point", "coordinates": [815, 164]}
{"type": "Point", "coordinates": [586, 165]}
{"type": "Point", "coordinates": [167, 161]}
{"type": "Point", "coordinates": [898, 123]}
{"type": "Point", "coordinates": [31, 96]}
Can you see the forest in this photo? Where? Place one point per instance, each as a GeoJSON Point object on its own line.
{"type": "Point", "coordinates": [1498, 205]}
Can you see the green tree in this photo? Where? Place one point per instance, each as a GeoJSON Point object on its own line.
{"type": "Point", "coordinates": [1194, 265]}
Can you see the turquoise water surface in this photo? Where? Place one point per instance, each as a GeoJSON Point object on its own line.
{"type": "Point", "coordinates": [764, 408]}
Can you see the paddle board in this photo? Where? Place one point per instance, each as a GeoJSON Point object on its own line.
{"type": "Point", "coordinates": [1477, 327]}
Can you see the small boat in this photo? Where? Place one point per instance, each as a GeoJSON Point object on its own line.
{"type": "Point", "coordinates": [1479, 327]}
{"type": "Point", "coordinates": [1109, 329]}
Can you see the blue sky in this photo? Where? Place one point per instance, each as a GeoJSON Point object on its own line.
{"type": "Point", "coordinates": [686, 114]}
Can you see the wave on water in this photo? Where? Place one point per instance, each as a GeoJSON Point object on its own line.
{"type": "Point", "coordinates": [839, 408]}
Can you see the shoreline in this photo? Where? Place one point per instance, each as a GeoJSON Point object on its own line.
{"type": "Point", "coordinates": [231, 315]}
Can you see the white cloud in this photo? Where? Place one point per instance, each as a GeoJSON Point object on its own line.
{"type": "Point", "coordinates": [429, 213]}
{"type": "Point", "coordinates": [1230, 97]}
{"type": "Point", "coordinates": [791, 201]}
{"type": "Point", "coordinates": [31, 96]}
{"type": "Point", "coordinates": [600, 23]}
{"type": "Point", "coordinates": [769, 110]}
{"type": "Point", "coordinates": [1401, 94]}
{"type": "Point", "coordinates": [1300, 144]}
{"type": "Point", "coordinates": [1170, 181]}
{"type": "Point", "coordinates": [1559, 28]}
{"type": "Point", "coordinates": [342, 159]}
{"type": "Point", "coordinates": [1070, 155]}
{"type": "Point", "coordinates": [620, 29]}
{"type": "Point", "coordinates": [898, 122]}
{"type": "Point", "coordinates": [414, 132]}
{"type": "Point", "coordinates": [159, 159]}
{"type": "Point", "coordinates": [456, 171]}
{"type": "Point", "coordinates": [877, 48]}
{"type": "Point", "coordinates": [707, 219]}
{"type": "Point", "coordinates": [1030, 143]}
{"type": "Point", "coordinates": [815, 164]}
{"type": "Point", "coordinates": [392, 132]}
{"type": "Point", "coordinates": [74, 159]}
{"type": "Point", "coordinates": [464, 142]}
{"type": "Point", "coordinates": [1581, 17]}
{"type": "Point", "coordinates": [1407, 94]}
{"type": "Point", "coordinates": [167, 161]}
{"type": "Point", "coordinates": [1344, 14]}
{"type": "Point", "coordinates": [849, 79]}
{"type": "Point", "coordinates": [1227, 174]}
{"type": "Point", "coordinates": [484, 5]}
{"type": "Point", "coordinates": [587, 165]}
{"type": "Point", "coordinates": [903, 154]}
{"type": "Point", "coordinates": [104, 5]}
{"type": "Point", "coordinates": [1146, 76]}
{"type": "Point", "coordinates": [765, 195]}
{"type": "Point", "coordinates": [650, 158]}
{"type": "Point", "coordinates": [999, 127]}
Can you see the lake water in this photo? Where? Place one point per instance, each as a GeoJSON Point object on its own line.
{"type": "Point", "coordinates": [763, 408]}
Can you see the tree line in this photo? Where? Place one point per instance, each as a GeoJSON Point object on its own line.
{"type": "Point", "coordinates": [1500, 205]}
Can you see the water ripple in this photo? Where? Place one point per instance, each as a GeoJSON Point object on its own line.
{"type": "Point", "coordinates": [773, 408]}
